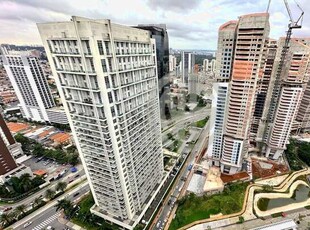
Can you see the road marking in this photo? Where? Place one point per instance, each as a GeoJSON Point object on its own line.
{"type": "Point", "coordinates": [47, 221]}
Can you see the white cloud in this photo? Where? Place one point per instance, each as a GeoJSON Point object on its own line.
{"type": "Point", "coordinates": [191, 24]}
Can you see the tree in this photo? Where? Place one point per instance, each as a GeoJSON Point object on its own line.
{"type": "Point", "coordinates": [26, 182]}
{"type": "Point", "coordinates": [241, 220]}
{"type": "Point", "coordinates": [17, 185]}
{"type": "Point", "coordinates": [267, 188]}
{"type": "Point", "coordinates": [170, 136]}
{"type": "Point", "coordinates": [186, 108]}
{"type": "Point", "coordinates": [73, 159]}
{"type": "Point", "coordinates": [67, 206]}
{"type": "Point", "coordinates": [167, 112]}
{"type": "Point", "coordinates": [49, 194]}
{"type": "Point", "coordinates": [21, 209]}
{"type": "Point", "coordinates": [37, 181]}
{"type": "Point", "coordinates": [37, 201]}
{"type": "Point", "coordinates": [25, 142]}
{"type": "Point", "coordinates": [38, 150]}
{"type": "Point", "coordinates": [61, 186]}
{"type": "Point", "coordinates": [6, 218]}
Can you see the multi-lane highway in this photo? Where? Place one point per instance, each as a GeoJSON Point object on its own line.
{"type": "Point", "coordinates": [167, 210]}
{"type": "Point", "coordinates": [47, 215]}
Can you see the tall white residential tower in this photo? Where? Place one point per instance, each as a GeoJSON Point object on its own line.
{"type": "Point", "coordinates": [106, 76]}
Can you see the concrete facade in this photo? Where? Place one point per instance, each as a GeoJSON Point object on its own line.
{"type": "Point", "coordinates": [107, 79]}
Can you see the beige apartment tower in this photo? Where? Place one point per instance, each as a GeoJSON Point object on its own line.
{"type": "Point", "coordinates": [107, 78]}
{"type": "Point", "coordinates": [241, 49]}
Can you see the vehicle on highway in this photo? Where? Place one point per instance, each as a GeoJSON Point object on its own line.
{"type": "Point", "coordinates": [76, 194]}
{"type": "Point", "coordinates": [7, 209]}
{"type": "Point", "coordinates": [27, 224]}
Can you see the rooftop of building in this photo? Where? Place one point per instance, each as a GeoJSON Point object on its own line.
{"type": "Point", "coordinates": [17, 127]}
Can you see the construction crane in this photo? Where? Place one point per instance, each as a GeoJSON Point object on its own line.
{"type": "Point", "coordinates": [294, 24]}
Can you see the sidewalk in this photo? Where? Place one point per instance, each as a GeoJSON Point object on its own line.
{"type": "Point", "coordinates": [69, 223]}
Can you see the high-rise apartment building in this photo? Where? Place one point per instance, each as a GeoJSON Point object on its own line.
{"type": "Point", "coordinates": [225, 51]}
{"type": "Point", "coordinates": [160, 34]}
{"type": "Point", "coordinates": [264, 83]}
{"type": "Point", "coordinates": [11, 155]}
{"type": "Point", "coordinates": [187, 65]}
{"type": "Point", "coordinates": [205, 65]}
{"type": "Point", "coordinates": [30, 86]}
{"type": "Point", "coordinates": [7, 162]}
{"type": "Point", "coordinates": [239, 58]}
{"type": "Point", "coordinates": [172, 63]}
{"type": "Point", "coordinates": [106, 76]}
{"type": "Point", "coordinates": [8, 142]}
{"type": "Point", "coordinates": [294, 76]}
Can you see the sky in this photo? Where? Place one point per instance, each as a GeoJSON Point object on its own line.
{"type": "Point", "coordinates": [191, 24]}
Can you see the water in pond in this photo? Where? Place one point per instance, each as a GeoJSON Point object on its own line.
{"type": "Point", "coordinates": [300, 194]}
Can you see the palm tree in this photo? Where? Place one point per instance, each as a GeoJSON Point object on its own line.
{"type": "Point", "coordinates": [6, 218]}
{"type": "Point", "coordinates": [61, 186]}
{"type": "Point", "coordinates": [61, 204]}
{"type": "Point", "coordinates": [37, 201]}
{"type": "Point", "coordinates": [20, 209]}
{"type": "Point", "coordinates": [49, 194]}
{"type": "Point", "coordinates": [26, 182]}
{"type": "Point", "coordinates": [67, 206]}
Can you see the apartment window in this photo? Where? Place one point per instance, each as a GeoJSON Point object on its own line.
{"type": "Point", "coordinates": [107, 82]}
{"type": "Point", "coordinates": [104, 65]}
{"type": "Point", "coordinates": [100, 47]}
{"type": "Point", "coordinates": [106, 43]}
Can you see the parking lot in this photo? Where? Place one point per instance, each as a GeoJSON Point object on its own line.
{"type": "Point", "coordinates": [46, 164]}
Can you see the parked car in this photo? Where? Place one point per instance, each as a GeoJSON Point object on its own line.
{"type": "Point", "coordinates": [76, 194]}
{"type": "Point", "coordinates": [7, 209]}
{"type": "Point", "coordinates": [27, 224]}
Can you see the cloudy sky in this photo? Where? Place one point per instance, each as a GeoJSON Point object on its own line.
{"type": "Point", "coordinates": [192, 24]}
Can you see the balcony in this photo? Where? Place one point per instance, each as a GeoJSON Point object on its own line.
{"type": "Point", "coordinates": [70, 71]}
{"type": "Point", "coordinates": [65, 53]}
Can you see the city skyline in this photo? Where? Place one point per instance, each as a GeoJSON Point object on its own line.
{"type": "Point", "coordinates": [190, 26]}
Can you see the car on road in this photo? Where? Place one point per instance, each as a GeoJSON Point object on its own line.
{"type": "Point", "coordinates": [27, 224]}
{"type": "Point", "coordinates": [76, 176]}
{"type": "Point", "coordinates": [76, 194]}
{"type": "Point", "coordinates": [70, 181]}
{"type": "Point", "coordinates": [7, 209]}
{"type": "Point", "coordinates": [158, 224]}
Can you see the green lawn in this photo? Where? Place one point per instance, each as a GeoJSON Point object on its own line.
{"type": "Point", "coordinates": [192, 208]}
{"type": "Point", "coordinates": [202, 123]}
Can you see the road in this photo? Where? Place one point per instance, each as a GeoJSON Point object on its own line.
{"type": "Point", "coordinates": [47, 215]}
{"type": "Point", "coordinates": [28, 200]}
{"type": "Point", "coordinates": [169, 203]}
{"type": "Point", "coordinates": [187, 117]}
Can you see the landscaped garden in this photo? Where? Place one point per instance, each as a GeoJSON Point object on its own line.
{"type": "Point", "coordinates": [297, 154]}
{"type": "Point", "coordinates": [202, 123]}
{"type": "Point", "coordinates": [192, 208]}
{"type": "Point", "coordinates": [87, 220]}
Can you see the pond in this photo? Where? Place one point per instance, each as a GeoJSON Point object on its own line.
{"type": "Point", "coordinates": [300, 194]}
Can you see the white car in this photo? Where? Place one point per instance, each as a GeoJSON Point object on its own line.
{"type": "Point", "coordinates": [27, 224]}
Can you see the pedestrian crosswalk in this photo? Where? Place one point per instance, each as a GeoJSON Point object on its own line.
{"type": "Point", "coordinates": [47, 221]}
